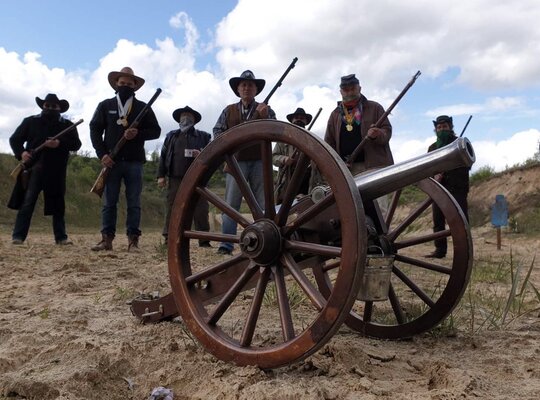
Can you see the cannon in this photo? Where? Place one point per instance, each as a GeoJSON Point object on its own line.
{"type": "Point", "coordinates": [305, 267]}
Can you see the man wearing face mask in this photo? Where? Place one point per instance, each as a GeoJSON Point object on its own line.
{"type": "Point", "coordinates": [351, 121]}
{"type": "Point", "coordinates": [455, 181]}
{"type": "Point", "coordinates": [180, 148]}
{"type": "Point", "coordinates": [47, 168]}
{"type": "Point", "coordinates": [283, 157]}
{"type": "Point", "coordinates": [245, 86]}
{"type": "Point", "coordinates": [108, 125]}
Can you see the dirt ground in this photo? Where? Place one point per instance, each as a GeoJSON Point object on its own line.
{"type": "Point", "coordinates": [66, 332]}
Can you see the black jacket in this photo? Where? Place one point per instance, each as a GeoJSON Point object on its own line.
{"type": "Point", "coordinates": [31, 133]}
{"type": "Point", "coordinates": [195, 139]}
{"type": "Point", "coordinates": [105, 132]}
{"type": "Point", "coordinates": [456, 180]}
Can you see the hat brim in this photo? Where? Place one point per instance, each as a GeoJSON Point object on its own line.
{"type": "Point", "coordinates": [176, 114]}
{"type": "Point", "coordinates": [115, 75]}
{"type": "Point", "coordinates": [64, 104]}
{"type": "Point", "coordinates": [308, 117]}
{"type": "Point", "coordinates": [234, 82]}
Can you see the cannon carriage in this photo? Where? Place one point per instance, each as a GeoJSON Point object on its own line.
{"type": "Point", "coordinates": [316, 261]}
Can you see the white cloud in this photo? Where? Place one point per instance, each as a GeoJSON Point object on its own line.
{"type": "Point", "coordinates": [498, 155]}
{"type": "Point", "coordinates": [383, 44]}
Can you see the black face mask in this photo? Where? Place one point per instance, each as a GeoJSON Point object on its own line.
{"type": "Point", "coordinates": [50, 115]}
{"type": "Point", "coordinates": [125, 92]}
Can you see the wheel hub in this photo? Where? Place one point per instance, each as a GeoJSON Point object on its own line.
{"type": "Point", "coordinates": [261, 241]}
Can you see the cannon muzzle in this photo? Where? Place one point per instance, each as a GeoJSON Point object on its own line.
{"type": "Point", "coordinates": [386, 180]}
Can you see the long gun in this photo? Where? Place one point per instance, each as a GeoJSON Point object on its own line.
{"type": "Point", "coordinates": [278, 84]}
{"type": "Point", "coordinates": [466, 125]}
{"type": "Point", "coordinates": [24, 165]}
{"type": "Point", "coordinates": [314, 119]}
{"type": "Point", "coordinates": [99, 184]}
{"type": "Point", "coordinates": [377, 124]}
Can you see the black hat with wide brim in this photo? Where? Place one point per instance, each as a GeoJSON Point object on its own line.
{"type": "Point", "coordinates": [176, 113]}
{"type": "Point", "coordinates": [247, 75]}
{"type": "Point", "coordinates": [300, 111]}
{"type": "Point", "coordinates": [53, 99]}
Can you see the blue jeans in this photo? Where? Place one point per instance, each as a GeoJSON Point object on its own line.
{"type": "Point", "coordinates": [252, 171]}
{"type": "Point", "coordinates": [131, 173]}
{"type": "Point", "coordinates": [24, 215]}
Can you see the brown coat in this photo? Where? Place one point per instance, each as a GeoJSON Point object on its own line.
{"type": "Point", "coordinates": [377, 152]}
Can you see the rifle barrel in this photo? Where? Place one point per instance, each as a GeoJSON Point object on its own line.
{"type": "Point", "coordinates": [466, 125]}
{"type": "Point", "coordinates": [278, 84]}
{"type": "Point", "coordinates": [314, 119]}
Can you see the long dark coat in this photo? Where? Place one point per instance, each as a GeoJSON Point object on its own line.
{"type": "Point", "coordinates": [31, 133]}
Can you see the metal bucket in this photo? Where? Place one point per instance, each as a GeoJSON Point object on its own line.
{"type": "Point", "coordinates": [376, 279]}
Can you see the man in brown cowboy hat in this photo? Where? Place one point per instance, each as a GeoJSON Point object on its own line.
{"type": "Point", "coordinates": [283, 156]}
{"type": "Point", "coordinates": [180, 148]}
{"type": "Point", "coordinates": [108, 125]}
{"type": "Point", "coordinates": [245, 86]}
{"type": "Point", "coordinates": [47, 168]}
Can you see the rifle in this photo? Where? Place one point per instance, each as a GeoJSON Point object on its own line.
{"type": "Point", "coordinates": [278, 84]}
{"type": "Point", "coordinates": [314, 119]}
{"type": "Point", "coordinates": [466, 125]}
{"type": "Point", "coordinates": [286, 168]}
{"type": "Point", "coordinates": [24, 165]}
{"type": "Point", "coordinates": [377, 124]}
{"type": "Point", "coordinates": [99, 184]}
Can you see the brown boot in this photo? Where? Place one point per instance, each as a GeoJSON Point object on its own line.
{"type": "Point", "coordinates": [133, 243]}
{"type": "Point", "coordinates": [105, 244]}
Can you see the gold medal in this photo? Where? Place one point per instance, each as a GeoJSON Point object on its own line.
{"type": "Point", "coordinates": [349, 127]}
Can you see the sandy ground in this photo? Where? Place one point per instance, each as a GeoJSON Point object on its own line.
{"type": "Point", "coordinates": [67, 333]}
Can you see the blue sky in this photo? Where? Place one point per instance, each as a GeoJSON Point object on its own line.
{"type": "Point", "coordinates": [476, 58]}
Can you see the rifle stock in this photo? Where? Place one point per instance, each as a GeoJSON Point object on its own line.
{"type": "Point", "coordinates": [99, 184]}
{"type": "Point", "coordinates": [22, 165]}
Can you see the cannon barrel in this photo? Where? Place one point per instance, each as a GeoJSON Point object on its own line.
{"type": "Point", "coordinates": [386, 180]}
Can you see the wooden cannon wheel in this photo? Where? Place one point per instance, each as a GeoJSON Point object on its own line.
{"type": "Point", "coordinates": [242, 309]}
{"type": "Point", "coordinates": [422, 291]}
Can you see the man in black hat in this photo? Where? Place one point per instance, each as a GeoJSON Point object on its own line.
{"type": "Point", "coordinates": [245, 86]}
{"type": "Point", "coordinates": [109, 124]}
{"type": "Point", "coordinates": [283, 157]}
{"type": "Point", "coordinates": [455, 181]}
{"type": "Point", "coordinates": [180, 148]}
{"type": "Point", "coordinates": [47, 168]}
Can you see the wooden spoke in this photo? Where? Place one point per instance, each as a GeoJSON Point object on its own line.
{"type": "Point", "coordinates": [283, 303]}
{"type": "Point", "coordinates": [268, 180]}
{"type": "Point", "coordinates": [222, 205]}
{"type": "Point", "coordinates": [229, 297]}
{"type": "Point", "coordinates": [419, 292]}
{"type": "Point", "coordinates": [313, 248]}
{"type": "Point", "coordinates": [424, 264]}
{"type": "Point", "coordinates": [409, 220]}
{"type": "Point", "coordinates": [292, 189]}
{"type": "Point", "coordinates": [311, 291]}
{"type": "Point", "coordinates": [218, 237]}
{"type": "Point", "coordinates": [215, 269]}
{"type": "Point", "coordinates": [422, 239]}
{"type": "Point", "coordinates": [246, 191]}
{"type": "Point", "coordinates": [254, 309]}
{"type": "Point", "coordinates": [309, 214]}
